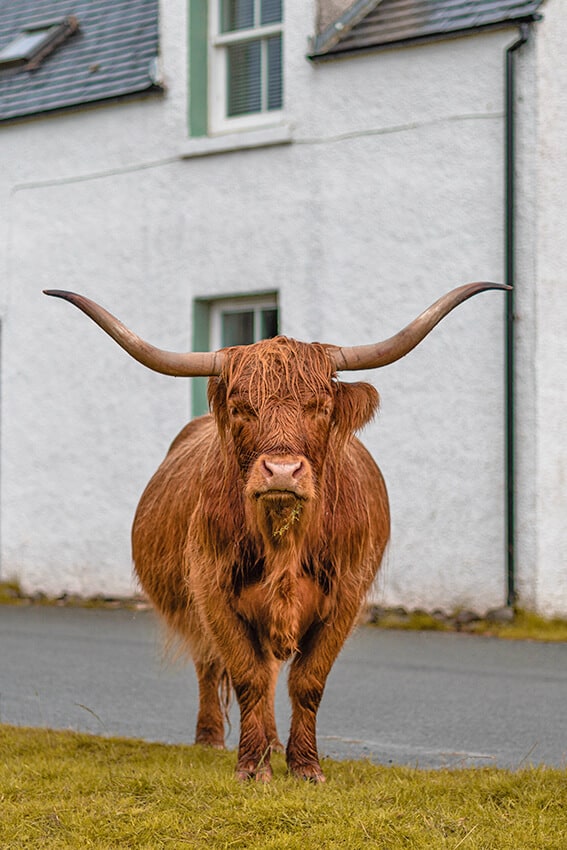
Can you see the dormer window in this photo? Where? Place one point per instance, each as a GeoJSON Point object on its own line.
{"type": "Point", "coordinates": [35, 42]}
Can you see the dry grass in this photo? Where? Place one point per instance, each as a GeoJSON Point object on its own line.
{"type": "Point", "coordinates": [525, 626]}
{"type": "Point", "coordinates": [65, 790]}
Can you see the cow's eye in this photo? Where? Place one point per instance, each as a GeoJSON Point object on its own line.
{"type": "Point", "coordinates": [240, 411]}
{"type": "Point", "coordinates": [319, 408]}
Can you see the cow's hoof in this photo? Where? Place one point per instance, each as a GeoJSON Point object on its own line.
{"type": "Point", "coordinates": [308, 772]}
{"type": "Point", "coordinates": [264, 773]}
{"type": "Point", "coordinates": [245, 773]}
{"type": "Point", "coordinates": [210, 741]}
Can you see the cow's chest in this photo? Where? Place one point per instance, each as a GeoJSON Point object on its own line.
{"type": "Point", "coordinates": [281, 612]}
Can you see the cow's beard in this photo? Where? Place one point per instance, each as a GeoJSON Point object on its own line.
{"type": "Point", "coordinates": [282, 518]}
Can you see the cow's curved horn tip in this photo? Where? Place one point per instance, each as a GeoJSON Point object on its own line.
{"type": "Point", "coordinates": [61, 293]}
{"type": "Point", "coordinates": [490, 284]}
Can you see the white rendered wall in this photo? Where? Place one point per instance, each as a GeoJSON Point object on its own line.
{"type": "Point", "coordinates": [542, 308]}
{"type": "Point", "coordinates": [390, 195]}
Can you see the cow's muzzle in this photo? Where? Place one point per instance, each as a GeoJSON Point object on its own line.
{"type": "Point", "coordinates": [276, 475]}
{"type": "Point", "coordinates": [280, 490]}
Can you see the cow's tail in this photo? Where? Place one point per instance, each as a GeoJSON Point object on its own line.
{"type": "Point", "coordinates": [225, 694]}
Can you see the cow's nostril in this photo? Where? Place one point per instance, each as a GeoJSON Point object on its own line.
{"type": "Point", "coordinates": [275, 469]}
{"type": "Point", "coordinates": [298, 471]}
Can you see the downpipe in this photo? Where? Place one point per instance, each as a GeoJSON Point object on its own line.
{"type": "Point", "coordinates": [510, 273]}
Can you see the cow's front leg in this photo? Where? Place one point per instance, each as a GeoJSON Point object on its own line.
{"type": "Point", "coordinates": [307, 677]}
{"type": "Point", "coordinates": [252, 672]}
{"type": "Point", "coordinates": [255, 747]}
{"type": "Point", "coordinates": [305, 691]}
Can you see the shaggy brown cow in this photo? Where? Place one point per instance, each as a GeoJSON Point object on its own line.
{"type": "Point", "coordinates": [261, 532]}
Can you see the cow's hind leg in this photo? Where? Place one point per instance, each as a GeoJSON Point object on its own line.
{"type": "Point", "coordinates": [269, 711]}
{"type": "Point", "coordinates": [211, 717]}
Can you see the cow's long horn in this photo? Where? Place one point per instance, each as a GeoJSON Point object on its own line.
{"type": "Point", "coordinates": [189, 365]}
{"type": "Point", "coordinates": [382, 353]}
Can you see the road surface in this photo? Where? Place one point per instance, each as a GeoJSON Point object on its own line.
{"type": "Point", "coordinates": [424, 699]}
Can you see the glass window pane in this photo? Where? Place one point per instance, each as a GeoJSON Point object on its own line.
{"type": "Point", "coordinates": [275, 77]}
{"type": "Point", "coordinates": [271, 11]}
{"type": "Point", "coordinates": [269, 323]}
{"type": "Point", "coordinates": [244, 93]}
{"type": "Point", "coordinates": [236, 15]}
{"type": "Point", "coordinates": [237, 327]}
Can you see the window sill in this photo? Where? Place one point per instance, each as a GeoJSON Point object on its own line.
{"type": "Point", "coordinates": [257, 138]}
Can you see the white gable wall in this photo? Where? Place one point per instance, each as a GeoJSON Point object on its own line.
{"type": "Point", "coordinates": [390, 195]}
{"type": "Point", "coordinates": [82, 427]}
{"type": "Point", "coordinates": [411, 207]}
{"type": "Point", "coordinates": [552, 309]}
{"type": "Point", "coordinates": [542, 307]}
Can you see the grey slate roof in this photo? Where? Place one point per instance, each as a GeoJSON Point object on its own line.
{"type": "Point", "coordinates": [389, 22]}
{"type": "Point", "coordinates": [109, 57]}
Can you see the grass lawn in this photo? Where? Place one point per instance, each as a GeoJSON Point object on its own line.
{"type": "Point", "coordinates": [68, 790]}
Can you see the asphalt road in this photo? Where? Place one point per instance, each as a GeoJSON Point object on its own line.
{"type": "Point", "coordinates": [422, 699]}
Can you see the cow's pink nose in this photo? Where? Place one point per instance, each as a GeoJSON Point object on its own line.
{"type": "Point", "coordinates": [280, 474]}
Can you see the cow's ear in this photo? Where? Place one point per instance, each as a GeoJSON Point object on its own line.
{"type": "Point", "coordinates": [355, 405]}
{"type": "Point", "coordinates": [216, 393]}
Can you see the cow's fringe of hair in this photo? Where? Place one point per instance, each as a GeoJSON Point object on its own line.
{"type": "Point", "coordinates": [279, 368]}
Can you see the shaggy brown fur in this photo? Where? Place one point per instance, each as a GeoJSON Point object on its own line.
{"type": "Point", "coordinates": [259, 536]}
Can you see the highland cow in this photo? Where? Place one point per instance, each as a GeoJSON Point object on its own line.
{"type": "Point", "coordinates": [261, 532]}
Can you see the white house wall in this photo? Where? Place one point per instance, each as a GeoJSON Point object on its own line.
{"type": "Point", "coordinates": [542, 307]}
{"type": "Point", "coordinates": [390, 195]}
{"type": "Point", "coordinates": [552, 310]}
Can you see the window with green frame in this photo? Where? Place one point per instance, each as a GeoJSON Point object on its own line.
{"type": "Point", "coordinates": [235, 64]}
{"type": "Point", "coordinates": [221, 322]}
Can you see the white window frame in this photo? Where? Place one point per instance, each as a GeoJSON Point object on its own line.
{"type": "Point", "coordinates": [238, 304]}
{"type": "Point", "coordinates": [219, 122]}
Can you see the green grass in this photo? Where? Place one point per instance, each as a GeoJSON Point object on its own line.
{"type": "Point", "coordinates": [525, 626]}
{"type": "Point", "coordinates": [414, 621]}
{"type": "Point", "coordinates": [66, 790]}
{"type": "Point", "coordinates": [10, 593]}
